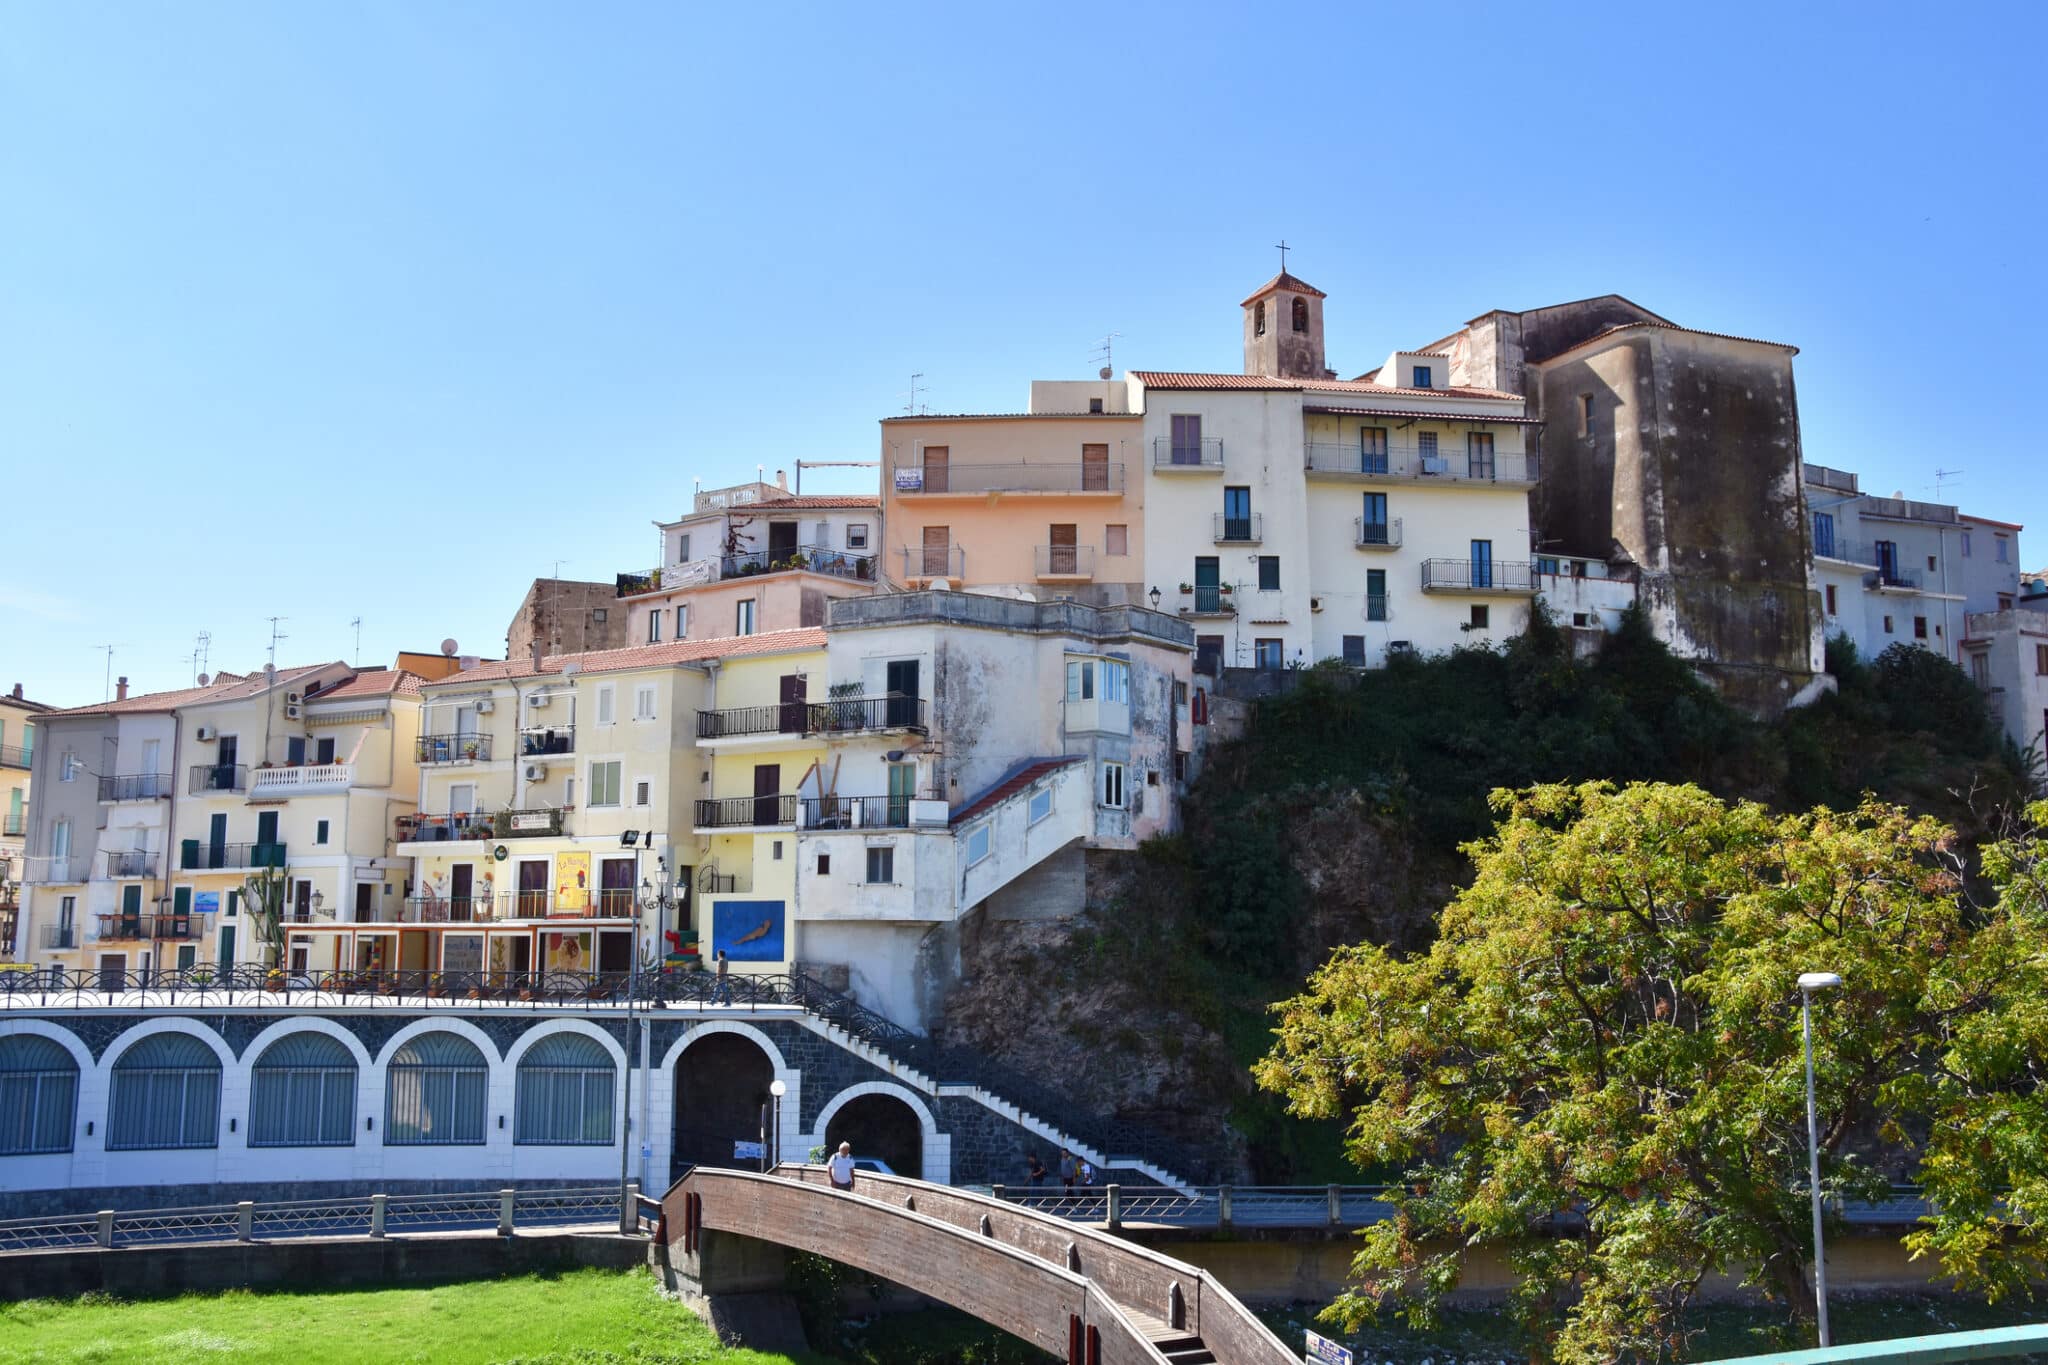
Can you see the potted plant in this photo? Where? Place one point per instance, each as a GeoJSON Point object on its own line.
{"type": "Point", "coordinates": [273, 980]}
{"type": "Point", "coordinates": [469, 748]}
{"type": "Point", "coordinates": [1224, 589]}
{"type": "Point", "coordinates": [436, 987]}
{"type": "Point", "coordinates": [1187, 589]}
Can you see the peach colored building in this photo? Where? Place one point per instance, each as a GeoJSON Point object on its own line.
{"type": "Point", "coordinates": [1043, 504]}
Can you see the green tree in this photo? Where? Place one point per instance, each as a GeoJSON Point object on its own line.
{"type": "Point", "coordinates": [1596, 1070]}
{"type": "Point", "coordinates": [264, 895]}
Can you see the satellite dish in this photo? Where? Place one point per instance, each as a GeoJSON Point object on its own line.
{"type": "Point", "coordinates": [448, 647]}
{"type": "Point", "coordinates": [204, 680]}
{"type": "Point", "coordinates": [1105, 372]}
{"type": "Point", "coordinates": [941, 585]}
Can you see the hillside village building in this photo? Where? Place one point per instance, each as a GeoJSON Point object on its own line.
{"type": "Point", "coordinates": [562, 616]}
{"type": "Point", "coordinates": [17, 754]}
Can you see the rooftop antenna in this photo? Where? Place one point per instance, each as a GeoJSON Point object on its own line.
{"type": "Point", "coordinates": [358, 624]}
{"type": "Point", "coordinates": [1943, 477]}
{"type": "Point", "coordinates": [910, 409]}
{"type": "Point", "coordinates": [110, 668]}
{"type": "Point", "coordinates": [202, 650]}
{"type": "Point", "coordinates": [1105, 353]}
{"type": "Point", "coordinates": [275, 636]}
{"type": "Point", "coordinates": [1281, 247]}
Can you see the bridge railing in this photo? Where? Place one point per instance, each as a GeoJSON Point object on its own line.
{"type": "Point", "coordinates": [1208, 1206]}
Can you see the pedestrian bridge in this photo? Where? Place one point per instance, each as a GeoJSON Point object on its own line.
{"type": "Point", "coordinates": [1086, 1296]}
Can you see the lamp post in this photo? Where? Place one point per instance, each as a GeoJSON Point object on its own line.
{"type": "Point", "coordinates": [777, 1089]}
{"type": "Point", "coordinates": [1154, 595]}
{"type": "Point", "coordinates": [1809, 982]}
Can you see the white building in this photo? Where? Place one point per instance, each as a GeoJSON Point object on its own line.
{"type": "Point", "coordinates": [2006, 653]}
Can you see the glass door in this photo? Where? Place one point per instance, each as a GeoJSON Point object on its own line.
{"type": "Point", "coordinates": [902, 784]}
{"type": "Point", "coordinates": [1208, 583]}
{"type": "Point", "coordinates": [1482, 564]}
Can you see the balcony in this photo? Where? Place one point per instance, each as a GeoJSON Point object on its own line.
{"type": "Point", "coordinates": [126, 863]}
{"type": "Point", "coordinates": [1245, 530]}
{"type": "Point", "coordinates": [953, 480]}
{"type": "Point", "coordinates": [1483, 576]}
{"type": "Point", "coordinates": [808, 558]}
{"type": "Point", "coordinates": [305, 779]}
{"type": "Point", "coordinates": [14, 757]}
{"type": "Point", "coordinates": [59, 938]}
{"type": "Point", "coordinates": [136, 787]}
{"type": "Point", "coordinates": [746, 812]}
{"type": "Point", "coordinates": [1208, 601]}
{"type": "Point", "coordinates": [1376, 535]}
{"type": "Point", "coordinates": [535, 823]}
{"type": "Point", "coordinates": [1844, 551]}
{"type": "Point", "coordinates": [871, 812]}
{"type": "Point", "coordinates": [540, 740]}
{"type": "Point", "coordinates": [14, 823]}
{"type": "Point", "coordinates": [1188, 457]}
{"type": "Point", "coordinates": [932, 561]}
{"type": "Point", "coordinates": [844, 716]}
{"type": "Point", "coordinates": [457, 748]}
{"type": "Point", "coordinates": [1892, 578]}
{"type": "Point", "coordinates": [1421, 464]}
{"type": "Point", "coordinates": [222, 778]}
{"type": "Point", "coordinates": [608, 903]}
{"type": "Point", "coordinates": [126, 928]}
{"type": "Point", "coordinates": [1063, 563]}
{"type": "Point", "coordinates": [195, 856]}
{"type": "Point", "coordinates": [442, 829]}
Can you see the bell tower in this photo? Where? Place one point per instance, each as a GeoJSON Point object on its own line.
{"type": "Point", "coordinates": [1283, 329]}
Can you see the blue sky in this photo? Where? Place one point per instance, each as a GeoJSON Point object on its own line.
{"type": "Point", "coordinates": [380, 309]}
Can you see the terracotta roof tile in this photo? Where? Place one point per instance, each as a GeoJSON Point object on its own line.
{"type": "Point", "coordinates": [377, 682]}
{"type": "Point", "coordinates": [1017, 780]}
{"type": "Point", "coordinates": [1283, 280]}
{"type": "Point", "coordinates": [1181, 379]}
{"type": "Point", "coordinates": [225, 687]}
{"type": "Point", "coordinates": [808, 500]}
{"type": "Point", "coordinates": [642, 656]}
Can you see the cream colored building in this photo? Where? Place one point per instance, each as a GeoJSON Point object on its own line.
{"type": "Point", "coordinates": [17, 756]}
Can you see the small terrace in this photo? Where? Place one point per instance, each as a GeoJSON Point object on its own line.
{"type": "Point", "coordinates": [197, 856]}
{"type": "Point", "coordinates": [441, 829]}
{"type": "Point", "coordinates": [1063, 563]}
{"type": "Point", "coordinates": [1844, 551]}
{"type": "Point", "coordinates": [1508, 577]}
{"type": "Point", "coordinates": [932, 561]}
{"type": "Point", "coordinates": [872, 812]}
{"type": "Point", "coordinates": [58, 938]}
{"type": "Point", "coordinates": [14, 823]}
{"type": "Point", "coordinates": [1204, 456]}
{"type": "Point", "coordinates": [746, 812]}
{"type": "Point", "coordinates": [842, 716]}
{"type": "Point", "coordinates": [1201, 601]}
{"type": "Point", "coordinates": [537, 741]}
{"type": "Point", "coordinates": [805, 558]}
{"type": "Point", "coordinates": [13, 756]}
{"type": "Point", "coordinates": [1892, 578]}
{"type": "Point", "coordinates": [1246, 530]}
{"type": "Point", "coordinates": [225, 779]}
{"type": "Point", "coordinates": [456, 748]}
{"type": "Point", "coordinates": [1376, 535]}
{"type": "Point", "coordinates": [969, 480]}
{"type": "Point", "coordinates": [304, 779]}
{"type": "Point", "coordinates": [129, 863]}
{"type": "Point", "coordinates": [135, 787]}
{"type": "Point", "coordinates": [143, 928]}
{"type": "Point", "coordinates": [1449, 464]}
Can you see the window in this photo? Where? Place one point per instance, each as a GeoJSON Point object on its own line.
{"type": "Point", "coordinates": [1095, 405]}
{"type": "Point", "coordinates": [937, 465]}
{"type": "Point", "coordinates": [1830, 591]}
{"type": "Point", "coordinates": [743, 623]}
{"type": "Point", "coordinates": [682, 549]}
{"type": "Point", "coordinates": [1187, 438]}
{"type": "Point", "coordinates": [643, 792]}
{"type": "Point", "coordinates": [654, 627]}
{"type": "Point", "coordinates": [1824, 534]}
{"type": "Point", "coordinates": [1919, 627]}
{"type": "Point", "coordinates": [1080, 680]}
{"type": "Point", "coordinates": [1421, 374]}
{"type": "Point", "coordinates": [2001, 549]}
{"type": "Point", "coordinates": [1269, 573]}
{"type": "Point", "coordinates": [604, 784]}
{"type": "Point", "coordinates": [1482, 564]}
{"type": "Point", "coordinates": [682, 623]}
{"type": "Point", "coordinates": [1268, 653]}
{"type": "Point", "coordinates": [1300, 315]}
{"type": "Point", "coordinates": [323, 750]}
{"type": "Point", "coordinates": [1062, 548]}
{"type": "Point", "coordinates": [643, 702]}
{"type": "Point", "coordinates": [600, 614]}
{"type": "Point", "coordinates": [320, 832]}
{"type": "Point", "coordinates": [856, 535]}
{"type": "Point", "coordinates": [295, 750]}
{"type": "Point", "coordinates": [1545, 564]}
{"type": "Point", "coordinates": [1966, 545]}
{"type": "Point", "coordinates": [1375, 594]}
{"type": "Point", "coordinates": [434, 1092]}
{"type": "Point", "coordinates": [68, 770]}
{"type": "Point", "coordinates": [1980, 669]}
{"type": "Point", "coordinates": [1116, 540]}
{"type": "Point", "coordinates": [1237, 514]}
{"type": "Point", "coordinates": [1040, 805]}
{"type": "Point", "coordinates": [1259, 318]}
{"type": "Point", "coordinates": [303, 1093]}
{"type": "Point", "coordinates": [1887, 625]}
{"type": "Point", "coordinates": [607, 704]}
{"type": "Point", "coordinates": [775, 851]}
{"type": "Point", "coordinates": [564, 1092]}
{"type": "Point", "coordinates": [1112, 676]}
{"type": "Point", "coordinates": [1180, 767]}
{"type": "Point", "coordinates": [1481, 616]}
{"type": "Point", "coordinates": [881, 866]}
{"type": "Point", "coordinates": [166, 1094]}
{"type": "Point", "coordinates": [1930, 563]}
{"type": "Point", "coordinates": [1113, 786]}
{"type": "Point", "coordinates": [979, 844]}
{"type": "Point", "coordinates": [1478, 454]}
{"type": "Point", "coordinates": [1372, 450]}
{"type": "Point", "coordinates": [1180, 693]}
{"type": "Point", "coordinates": [1585, 414]}
{"type": "Point", "coordinates": [1372, 521]}
{"type": "Point", "coordinates": [1354, 650]}
{"type": "Point", "coordinates": [2040, 660]}
{"type": "Point", "coordinates": [824, 864]}
{"type": "Point", "coordinates": [38, 1095]}
{"type": "Point", "coordinates": [1425, 451]}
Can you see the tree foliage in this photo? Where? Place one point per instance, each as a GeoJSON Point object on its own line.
{"type": "Point", "coordinates": [1596, 1070]}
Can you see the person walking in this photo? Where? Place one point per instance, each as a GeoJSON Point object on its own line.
{"type": "Point", "coordinates": [1067, 1170]}
{"type": "Point", "coordinates": [1034, 1169]}
{"type": "Point", "coordinates": [840, 1167]}
{"type": "Point", "coordinates": [721, 993]}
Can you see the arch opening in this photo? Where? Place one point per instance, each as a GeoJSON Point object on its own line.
{"type": "Point", "coordinates": [721, 1099]}
{"type": "Point", "coordinates": [166, 1095]}
{"type": "Point", "coordinates": [302, 1093]}
{"type": "Point", "coordinates": [883, 1127]}
{"type": "Point", "coordinates": [565, 1093]}
{"type": "Point", "coordinates": [38, 1096]}
{"type": "Point", "coordinates": [435, 1091]}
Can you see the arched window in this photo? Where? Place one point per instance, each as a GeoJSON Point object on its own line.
{"type": "Point", "coordinates": [303, 1093]}
{"type": "Point", "coordinates": [38, 1096]}
{"type": "Point", "coordinates": [434, 1093]}
{"type": "Point", "coordinates": [1301, 315]}
{"type": "Point", "coordinates": [565, 1087]}
{"type": "Point", "coordinates": [166, 1094]}
{"type": "Point", "coordinates": [1259, 318]}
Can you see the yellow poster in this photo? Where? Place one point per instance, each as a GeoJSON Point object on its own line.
{"type": "Point", "coordinates": [568, 952]}
{"type": "Point", "coordinates": [572, 883]}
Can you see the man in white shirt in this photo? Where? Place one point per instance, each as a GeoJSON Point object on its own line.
{"type": "Point", "coordinates": [840, 1167]}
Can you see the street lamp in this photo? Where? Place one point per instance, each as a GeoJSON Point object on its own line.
{"type": "Point", "coordinates": [778, 1090]}
{"type": "Point", "coordinates": [1809, 982]}
{"type": "Point", "coordinates": [1154, 595]}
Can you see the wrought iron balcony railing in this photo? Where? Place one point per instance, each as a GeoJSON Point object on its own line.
{"type": "Point", "coordinates": [814, 558]}
{"type": "Point", "coordinates": [933, 561]}
{"type": "Point", "coordinates": [1466, 575]}
{"type": "Point", "coordinates": [1376, 535]}
{"type": "Point", "coordinates": [131, 863]}
{"type": "Point", "coordinates": [457, 748]}
{"type": "Point", "coordinates": [844, 716]}
{"type": "Point", "coordinates": [1205, 454]}
{"type": "Point", "coordinates": [859, 812]}
{"type": "Point", "coordinates": [1892, 576]}
{"type": "Point", "coordinates": [13, 756]}
{"type": "Point", "coordinates": [740, 812]}
{"type": "Point", "coordinates": [1210, 601]}
{"type": "Point", "coordinates": [135, 787]}
{"type": "Point", "coordinates": [1015, 477]}
{"type": "Point", "coordinates": [440, 829]}
{"type": "Point", "coordinates": [536, 741]}
{"type": "Point", "coordinates": [14, 823]}
{"type": "Point", "coordinates": [58, 938]}
{"type": "Point", "coordinates": [218, 777]}
{"type": "Point", "coordinates": [1249, 529]}
{"type": "Point", "coordinates": [1064, 561]}
{"type": "Point", "coordinates": [121, 927]}
{"type": "Point", "coordinates": [195, 855]}
{"type": "Point", "coordinates": [1449, 463]}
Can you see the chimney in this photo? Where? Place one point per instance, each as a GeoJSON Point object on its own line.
{"type": "Point", "coordinates": [120, 688]}
{"type": "Point", "coordinates": [782, 480]}
{"type": "Point", "coordinates": [17, 692]}
{"type": "Point", "coordinates": [536, 656]}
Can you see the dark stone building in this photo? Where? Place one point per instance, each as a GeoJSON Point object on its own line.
{"type": "Point", "coordinates": [1675, 451]}
{"type": "Point", "coordinates": [563, 616]}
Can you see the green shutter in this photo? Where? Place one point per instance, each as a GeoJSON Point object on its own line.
{"type": "Point", "coordinates": [181, 900]}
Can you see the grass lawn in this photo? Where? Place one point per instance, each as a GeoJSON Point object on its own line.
{"type": "Point", "coordinates": [584, 1317]}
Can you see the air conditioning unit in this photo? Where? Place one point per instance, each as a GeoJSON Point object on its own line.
{"type": "Point", "coordinates": [536, 772]}
{"type": "Point", "coordinates": [1435, 464]}
{"type": "Point", "coordinates": [207, 732]}
{"type": "Point", "coordinates": [291, 696]}
{"type": "Point", "coordinates": [537, 700]}
{"type": "Point", "coordinates": [486, 706]}
{"type": "Point", "coordinates": [1315, 604]}
{"type": "Point", "coordinates": [291, 710]}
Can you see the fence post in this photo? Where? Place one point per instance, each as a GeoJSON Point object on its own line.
{"type": "Point", "coordinates": [245, 1221]}
{"type": "Point", "coordinates": [996, 1193]}
{"type": "Point", "coordinates": [505, 1212]}
{"type": "Point", "coordinates": [629, 1210]}
{"type": "Point", "coordinates": [1223, 1207]}
{"type": "Point", "coordinates": [106, 1229]}
{"type": "Point", "coordinates": [377, 1203]}
{"type": "Point", "coordinates": [1336, 1198]}
{"type": "Point", "coordinates": [1116, 1205]}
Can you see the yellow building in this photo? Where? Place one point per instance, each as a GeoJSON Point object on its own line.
{"type": "Point", "coordinates": [17, 753]}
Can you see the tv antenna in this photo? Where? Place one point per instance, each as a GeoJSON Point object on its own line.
{"type": "Point", "coordinates": [202, 649]}
{"type": "Point", "coordinates": [358, 624]}
{"type": "Point", "coordinates": [1944, 477]}
{"type": "Point", "coordinates": [275, 636]}
{"type": "Point", "coordinates": [1105, 352]}
{"type": "Point", "coordinates": [917, 386]}
{"type": "Point", "coordinates": [110, 668]}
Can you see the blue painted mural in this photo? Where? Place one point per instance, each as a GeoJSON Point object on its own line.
{"type": "Point", "coordinates": [747, 931]}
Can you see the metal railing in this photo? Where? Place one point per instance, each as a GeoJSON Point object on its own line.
{"type": "Point", "coordinates": [189, 927]}
{"type": "Point", "coordinates": [859, 812]}
{"type": "Point", "coordinates": [1451, 463]}
{"type": "Point", "coordinates": [1210, 601]}
{"type": "Point", "coordinates": [1246, 530]}
{"type": "Point", "coordinates": [1376, 535]}
{"type": "Point", "coordinates": [1217, 1207]}
{"type": "Point", "coordinates": [1018, 477]}
{"type": "Point", "coordinates": [932, 562]}
{"type": "Point", "coordinates": [135, 787]}
{"type": "Point", "coordinates": [537, 741]}
{"type": "Point", "coordinates": [133, 862]}
{"type": "Point", "coordinates": [457, 748]}
{"type": "Point", "coordinates": [1207, 453]}
{"type": "Point", "coordinates": [1844, 549]}
{"type": "Point", "coordinates": [740, 811]}
{"type": "Point", "coordinates": [1465, 575]}
{"type": "Point", "coordinates": [484, 908]}
{"type": "Point", "coordinates": [813, 558]}
{"type": "Point", "coordinates": [437, 829]}
{"type": "Point", "coordinates": [218, 777]}
{"type": "Point", "coordinates": [58, 938]}
{"type": "Point", "coordinates": [14, 823]}
{"type": "Point", "coordinates": [1063, 561]}
{"type": "Point", "coordinates": [843, 716]}
{"type": "Point", "coordinates": [14, 756]}
{"type": "Point", "coordinates": [197, 856]}
{"type": "Point", "coordinates": [1892, 576]}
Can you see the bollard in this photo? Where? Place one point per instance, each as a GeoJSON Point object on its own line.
{"type": "Point", "coordinates": [996, 1193]}
{"type": "Point", "coordinates": [505, 1198]}
{"type": "Point", "coordinates": [106, 1232]}
{"type": "Point", "coordinates": [1223, 1207]}
{"type": "Point", "coordinates": [1116, 1205]}
{"type": "Point", "coordinates": [245, 1221]}
{"type": "Point", "coordinates": [1176, 1307]}
{"type": "Point", "coordinates": [629, 1210]}
{"type": "Point", "coordinates": [1336, 1197]}
{"type": "Point", "coordinates": [377, 1202]}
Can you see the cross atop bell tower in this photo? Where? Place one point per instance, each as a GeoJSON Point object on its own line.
{"type": "Point", "coordinates": [1283, 327]}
